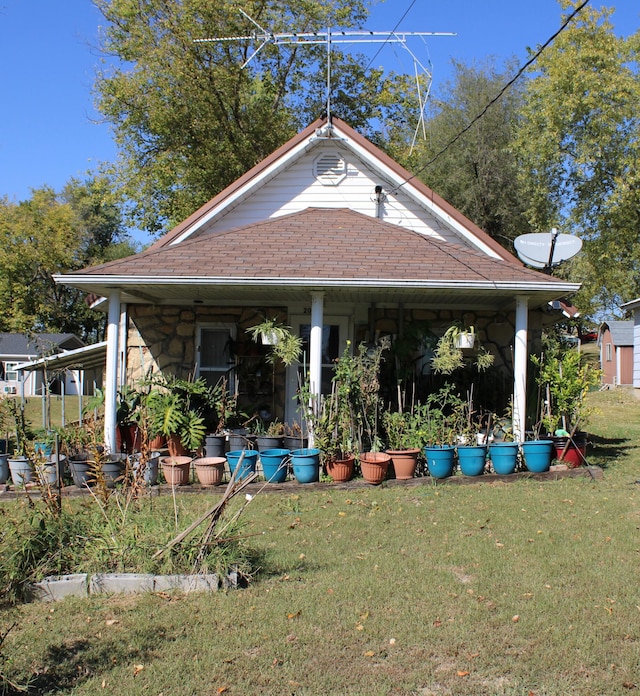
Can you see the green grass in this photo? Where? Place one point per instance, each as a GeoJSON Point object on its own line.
{"type": "Point", "coordinates": [516, 589]}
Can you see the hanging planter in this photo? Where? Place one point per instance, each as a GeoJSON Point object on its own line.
{"type": "Point", "coordinates": [465, 340]}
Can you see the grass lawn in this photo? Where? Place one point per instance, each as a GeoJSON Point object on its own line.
{"type": "Point", "coordinates": [520, 588]}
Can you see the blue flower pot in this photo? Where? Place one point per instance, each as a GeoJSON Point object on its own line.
{"type": "Point", "coordinates": [440, 460]}
{"type": "Point", "coordinates": [504, 457]}
{"type": "Point", "coordinates": [306, 465]}
{"type": "Point", "coordinates": [537, 455]}
{"type": "Point", "coordinates": [472, 459]}
{"type": "Point", "coordinates": [248, 465]}
{"type": "Point", "coordinates": [275, 463]}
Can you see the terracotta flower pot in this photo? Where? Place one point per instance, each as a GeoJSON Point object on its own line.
{"type": "Point", "coordinates": [341, 470]}
{"type": "Point", "coordinates": [210, 470]}
{"type": "Point", "coordinates": [176, 470]}
{"type": "Point", "coordinates": [404, 463]}
{"type": "Point", "coordinates": [374, 466]}
{"type": "Point", "coordinates": [175, 447]}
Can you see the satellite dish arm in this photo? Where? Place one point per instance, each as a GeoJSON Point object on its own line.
{"type": "Point", "coordinates": [554, 236]}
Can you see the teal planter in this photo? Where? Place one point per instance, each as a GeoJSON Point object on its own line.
{"type": "Point", "coordinates": [306, 465]}
{"type": "Point", "coordinates": [504, 457]}
{"type": "Point", "coordinates": [537, 455]}
{"type": "Point", "coordinates": [275, 464]}
{"type": "Point", "coordinates": [248, 465]}
{"type": "Point", "coordinates": [440, 460]}
{"type": "Point", "coordinates": [472, 459]}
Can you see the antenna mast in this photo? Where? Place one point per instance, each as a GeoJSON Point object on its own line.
{"type": "Point", "coordinates": [263, 37]}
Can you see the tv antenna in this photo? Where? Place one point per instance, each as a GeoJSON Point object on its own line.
{"type": "Point", "coordinates": [545, 250]}
{"type": "Point", "coordinates": [262, 37]}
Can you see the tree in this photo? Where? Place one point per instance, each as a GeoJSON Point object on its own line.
{"type": "Point", "coordinates": [189, 119]}
{"type": "Point", "coordinates": [578, 143]}
{"type": "Point", "coordinates": [49, 234]}
{"type": "Point", "coordinates": [478, 172]}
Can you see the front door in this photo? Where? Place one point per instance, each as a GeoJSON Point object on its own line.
{"type": "Point", "coordinates": [335, 332]}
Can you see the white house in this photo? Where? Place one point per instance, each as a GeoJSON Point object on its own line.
{"type": "Point", "coordinates": [340, 242]}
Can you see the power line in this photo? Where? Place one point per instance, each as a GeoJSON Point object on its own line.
{"type": "Point", "coordinates": [516, 77]}
{"type": "Point", "coordinates": [391, 33]}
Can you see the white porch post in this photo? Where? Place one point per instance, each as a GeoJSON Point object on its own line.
{"type": "Point", "coordinates": [111, 375]}
{"type": "Point", "coordinates": [315, 349]}
{"type": "Point", "coordinates": [520, 356]}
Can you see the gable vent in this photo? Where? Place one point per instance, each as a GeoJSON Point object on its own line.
{"type": "Point", "coordinates": [330, 169]}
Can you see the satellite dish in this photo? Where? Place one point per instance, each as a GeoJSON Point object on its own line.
{"type": "Point", "coordinates": [546, 249]}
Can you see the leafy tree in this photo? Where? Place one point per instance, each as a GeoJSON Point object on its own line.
{"type": "Point", "coordinates": [478, 172]}
{"type": "Point", "coordinates": [189, 119]}
{"type": "Point", "coordinates": [579, 147]}
{"type": "Point", "coordinates": [49, 234]}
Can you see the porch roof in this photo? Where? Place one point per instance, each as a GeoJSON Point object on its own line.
{"type": "Point", "coordinates": [348, 255]}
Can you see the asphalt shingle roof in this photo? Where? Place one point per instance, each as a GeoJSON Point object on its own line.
{"type": "Point", "coordinates": [319, 243]}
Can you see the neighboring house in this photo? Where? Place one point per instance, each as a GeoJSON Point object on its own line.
{"type": "Point", "coordinates": [16, 349]}
{"type": "Point", "coordinates": [634, 307]}
{"type": "Point", "coordinates": [337, 240]}
{"type": "Point", "coordinates": [615, 339]}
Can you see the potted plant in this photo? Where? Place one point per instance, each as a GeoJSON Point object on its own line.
{"type": "Point", "coordinates": [442, 419]}
{"type": "Point", "coordinates": [471, 447]}
{"type": "Point", "coordinates": [565, 378]}
{"type": "Point", "coordinates": [179, 408]}
{"type": "Point", "coordinates": [403, 441]}
{"type": "Point", "coordinates": [20, 463]}
{"type": "Point", "coordinates": [450, 350]}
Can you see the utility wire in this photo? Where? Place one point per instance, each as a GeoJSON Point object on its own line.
{"type": "Point", "coordinates": [516, 77]}
{"type": "Point", "coordinates": [391, 33]}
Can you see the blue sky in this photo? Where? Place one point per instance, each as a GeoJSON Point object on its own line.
{"type": "Point", "coordinates": [50, 131]}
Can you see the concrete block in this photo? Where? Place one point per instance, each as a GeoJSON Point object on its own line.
{"type": "Point", "coordinates": [56, 587]}
{"type": "Point", "coordinates": [121, 583]}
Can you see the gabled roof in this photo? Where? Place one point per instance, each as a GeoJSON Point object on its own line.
{"type": "Point", "coordinates": [23, 346]}
{"type": "Point", "coordinates": [314, 249]}
{"type": "Point", "coordinates": [621, 332]}
{"type": "Point", "coordinates": [247, 184]}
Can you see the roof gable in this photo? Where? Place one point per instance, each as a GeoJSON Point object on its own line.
{"type": "Point", "coordinates": [285, 182]}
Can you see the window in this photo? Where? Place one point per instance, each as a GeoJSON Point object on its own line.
{"type": "Point", "coordinates": [10, 373]}
{"type": "Point", "coordinates": [215, 358]}
{"type": "Point", "coordinates": [608, 352]}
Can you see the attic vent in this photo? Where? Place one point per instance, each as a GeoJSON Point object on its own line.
{"type": "Point", "coordinates": [330, 169]}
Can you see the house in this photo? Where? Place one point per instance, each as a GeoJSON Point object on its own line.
{"type": "Point", "coordinates": [634, 307]}
{"type": "Point", "coordinates": [16, 348]}
{"type": "Point", "coordinates": [615, 339]}
{"type": "Point", "coordinates": [338, 241]}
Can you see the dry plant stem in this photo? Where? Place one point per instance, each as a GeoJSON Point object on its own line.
{"type": "Point", "coordinates": [228, 493]}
